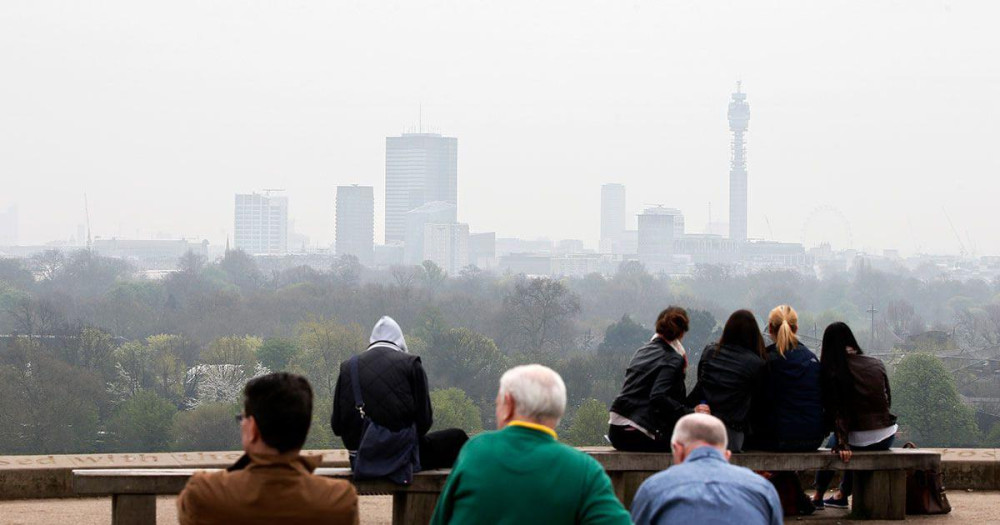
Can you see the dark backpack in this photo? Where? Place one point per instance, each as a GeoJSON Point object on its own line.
{"type": "Point", "coordinates": [382, 453]}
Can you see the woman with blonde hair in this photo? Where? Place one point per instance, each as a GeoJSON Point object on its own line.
{"type": "Point", "coordinates": [788, 417]}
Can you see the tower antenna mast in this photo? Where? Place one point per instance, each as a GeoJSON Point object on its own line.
{"type": "Point", "coordinates": [86, 211]}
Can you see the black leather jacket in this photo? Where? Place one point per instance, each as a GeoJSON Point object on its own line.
{"type": "Point", "coordinates": [653, 394]}
{"type": "Point", "coordinates": [728, 379]}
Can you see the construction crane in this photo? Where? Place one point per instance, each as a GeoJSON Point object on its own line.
{"type": "Point", "coordinates": [961, 245]}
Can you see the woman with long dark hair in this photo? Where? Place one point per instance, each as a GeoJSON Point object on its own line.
{"type": "Point", "coordinates": [652, 400]}
{"type": "Point", "coordinates": [857, 399]}
{"type": "Point", "coordinates": [730, 374]}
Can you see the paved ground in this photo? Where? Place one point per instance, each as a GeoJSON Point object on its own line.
{"type": "Point", "coordinates": [969, 507]}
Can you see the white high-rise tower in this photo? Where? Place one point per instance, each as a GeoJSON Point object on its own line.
{"type": "Point", "coordinates": [739, 120]}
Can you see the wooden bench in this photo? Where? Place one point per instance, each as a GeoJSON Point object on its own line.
{"type": "Point", "coordinates": [133, 491]}
{"type": "Point", "coordinates": [879, 477]}
{"type": "Point", "coordinates": [879, 481]}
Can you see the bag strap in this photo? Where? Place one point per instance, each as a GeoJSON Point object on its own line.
{"type": "Point", "coordinates": [359, 402]}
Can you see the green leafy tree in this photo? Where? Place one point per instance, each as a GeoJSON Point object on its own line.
{"type": "Point", "coordinates": [241, 270]}
{"type": "Point", "coordinates": [209, 427]}
{"type": "Point", "coordinates": [152, 364]}
{"type": "Point", "coordinates": [992, 438]}
{"type": "Point", "coordinates": [589, 425]}
{"type": "Point", "coordinates": [928, 405]}
{"type": "Point", "coordinates": [324, 345]}
{"type": "Point", "coordinates": [46, 405]}
{"type": "Point", "coordinates": [166, 366]}
{"type": "Point", "coordinates": [466, 360]}
{"type": "Point", "coordinates": [320, 433]}
{"type": "Point", "coordinates": [433, 275]}
{"type": "Point", "coordinates": [454, 409]}
{"type": "Point", "coordinates": [276, 353]}
{"type": "Point", "coordinates": [142, 423]}
{"type": "Point", "coordinates": [624, 336]}
{"type": "Point", "coordinates": [233, 350]}
{"type": "Point", "coordinates": [347, 270]}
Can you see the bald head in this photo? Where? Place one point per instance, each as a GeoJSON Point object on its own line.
{"type": "Point", "coordinates": [534, 393]}
{"type": "Point", "coordinates": [695, 430]}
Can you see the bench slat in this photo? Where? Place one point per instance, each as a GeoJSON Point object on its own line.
{"type": "Point", "coordinates": [896, 459]}
{"type": "Point", "coordinates": [104, 482]}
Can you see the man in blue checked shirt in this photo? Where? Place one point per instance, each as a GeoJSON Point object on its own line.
{"type": "Point", "coordinates": [702, 487]}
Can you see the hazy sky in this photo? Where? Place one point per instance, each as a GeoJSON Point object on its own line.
{"type": "Point", "coordinates": [888, 112]}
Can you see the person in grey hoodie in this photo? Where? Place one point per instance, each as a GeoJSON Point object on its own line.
{"type": "Point", "coordinates": [396, 395]}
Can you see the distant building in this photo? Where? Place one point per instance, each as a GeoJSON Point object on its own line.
{"type": "Point", "coordinates": [656, 239]}
{"type": "Point", "coordinates": [483, 249]}
{"type": "Point", "coordinates": [613, 214]}
{"type": "Point", "coordinates": [575, 265]}
{"type": "Point", "coordinates": [389, 254]}
{"type": "Point", "coordinates": [526, 263]}
{"type": "Point", "coordinates": [707, 249]}
{"type": "Point", "coordinates": [771, 254]}
{"type": "Point", "coordinates": [417, 219]}
{"type": "Point", "coordinates": [570, 246]}
{"type": "Point", "coordinates": [739, 120]}
{"type": "Point", "coordinates": [8, 227]}
{"type": "Point", "coordinates": [261, 224]}
{"type": "Point", "coordinates": [447, 245]}
{"type": "Point", "coordinates": [149, 254]}
{"type": "Point", "coordinates": [356, 223]}
{"type": "Point", "coordinates": [678, 220]}
{"type": "Point", "coordinates": [419, 168]}
{"type": "Point", "coordinates": [508, 245]}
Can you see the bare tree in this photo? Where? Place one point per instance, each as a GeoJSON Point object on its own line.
{"type": "Point", "coordinates": [538, 314]}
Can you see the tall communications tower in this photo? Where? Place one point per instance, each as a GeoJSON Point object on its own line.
{"type": "Point", "coordinates": [739, 120]}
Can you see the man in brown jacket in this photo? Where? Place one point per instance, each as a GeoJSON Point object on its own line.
{"type": "Point", "coordinates": [271, 483]}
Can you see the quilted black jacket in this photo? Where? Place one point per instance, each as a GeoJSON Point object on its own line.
{"type": "Point", "coordinates": [394, 388]}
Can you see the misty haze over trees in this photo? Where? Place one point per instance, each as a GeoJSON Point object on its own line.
{"type": "Point", "coordinates": [95, 358]}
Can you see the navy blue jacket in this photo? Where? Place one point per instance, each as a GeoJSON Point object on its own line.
{"type": "Point", "coordinates": [791, 407]}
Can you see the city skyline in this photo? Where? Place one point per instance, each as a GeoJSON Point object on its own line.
{"type": "Point", "coordinates": [637, 97]}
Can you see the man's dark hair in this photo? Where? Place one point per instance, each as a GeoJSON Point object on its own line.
{"type": "Point", "coordinates": [281, 404]}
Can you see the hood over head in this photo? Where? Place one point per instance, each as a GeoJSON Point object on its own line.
{"type": "Point", "coordinates": [388, 333]}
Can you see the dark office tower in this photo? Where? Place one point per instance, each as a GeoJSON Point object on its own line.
{"type": "Point", "coordinates": [739, 119]}
{"type": "Point", "coordinates": [419, 168]}
{"type": "Point", "coordinates": [356, 223]}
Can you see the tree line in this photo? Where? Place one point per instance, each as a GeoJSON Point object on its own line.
{"type": "Point", "coordinates": [95, 358]}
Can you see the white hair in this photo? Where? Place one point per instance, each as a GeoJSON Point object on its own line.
{"type": "Point", "coordinates": [704, 428]}
{"type": "Point", "coordinates": [538, 392]}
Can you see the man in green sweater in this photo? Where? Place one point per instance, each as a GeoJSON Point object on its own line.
{"type": "Point", "coordinates": [521, 473]}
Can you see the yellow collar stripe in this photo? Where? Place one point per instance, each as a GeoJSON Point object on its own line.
{"type": "Point", "coordinates": [534, 426]}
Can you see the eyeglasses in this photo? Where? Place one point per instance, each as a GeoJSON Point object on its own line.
{"type": "Point", "coordinates": [240, 417]}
